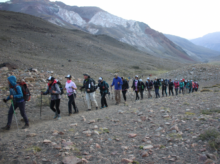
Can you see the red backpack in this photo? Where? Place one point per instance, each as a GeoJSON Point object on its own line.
{"type": "Point", "coordinates": [25, 91]}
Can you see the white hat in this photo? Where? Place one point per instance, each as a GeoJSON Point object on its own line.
{"type": "Point", "coordinates": [148, 78]}
{"type": "Point", "coordinates": [136, 75]}
{"type": "Point", "coordinates": [180, 79]}
{"type": "Point", "coordinates": [185, 80]}
{"type": "Point", "coordinates": [161, 79]}
{"type": "Point", "coordinates": [68, 76]}
{"type": "Point", "coordinates": [100, 78]}
{"type": "Point", "coordinates": [140, 79]}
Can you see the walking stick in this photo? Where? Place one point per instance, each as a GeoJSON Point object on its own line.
{"type": "Point", "coordinates": [14, 112]}
{"type": "Point", "coordinates": [41, 106]}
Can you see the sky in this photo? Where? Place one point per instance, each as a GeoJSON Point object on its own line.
{"type": "Point", "coordinates": [185, 18]}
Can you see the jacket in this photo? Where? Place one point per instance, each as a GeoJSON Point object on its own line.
{"type": "Point", "coordinates": [115, 83]}
{"type": "Point", "coordinates": [149, 85]}
{"type": "Point", "coordinates": [193, 84]}
{"type": "Point", "coordinates": [17, 96]}
{"type": "Point", "coordinates": [171, 84]}
{"type": "Point", "coordinates": [142, 86]}
{"type": "Point", "coordinates": [54, 87]}
{"type": "Point", "coordinates": [176, 84]}
{"type": "Point", "coordinates": [196, 85]}
{"type": "Point", "coordinates": [125, 85]}
{"type": "Point", "coordinates": [88, 84]}
{"type": "Point", "coordinates": [182, 84]}
{"type": "Point", "coordinates": [103, 87]}
{"type": "Point", "coordinates": [190, 84]}
{"type": "Point", "coordinates": [138, 85]}
{"type": "Point", "coordinates": [69, 89]}
{"type": "Point", "coordinates": [156, 84]}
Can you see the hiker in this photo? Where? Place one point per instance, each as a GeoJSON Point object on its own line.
{"type": "Point", "coordinates": [117, 82]}
{"type": "Point", "coordinates": [196, 86]}
{"type": "Point", "coordinates": [193, 86]}
{"type": "Point", "coordinates": [185, 87]}
{"type": "Point", "coordinates": [103, 86]}
{"type": "Point", "coordinates": [136, 86]}
{"type": "Point", "coordinates": [164, 87]}
{"type": "Point", "coordinates": [70, 90]}
{"type": "Point", "coordinates": [182, 84]}
{"type": "Point", "coordinates": [90, 88]}
{"type": "Point", "coordinates": [142, 88]}
{"type": "Point", "coordinates": [156, 87]}
{"type": "Point", "coordinates": [176, 85]}
{"type": "Point", "coordinates": [149, 86]}
{"type": "Point", "coordinates": [171, 87]}
{"type": "Point", "coordinates": [16, 95]}
{"type": "Point", "coordinates": [125, 87]}
{"type": "Point", "coordinates": [190, 86]}
{"type": "Point", "coordinates": [54, 89]}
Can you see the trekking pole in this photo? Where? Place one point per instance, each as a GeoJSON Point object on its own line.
{"type": "Point", "coordinates": [14, 112]}
{"type": "Point", "coordinates": [41, 105]}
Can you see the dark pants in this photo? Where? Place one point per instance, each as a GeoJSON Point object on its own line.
{"type": "Point", "coordinates": [124, 95]}
{"type": "Point", "coordinates": [57, 103]}
{"type": "Point", "coordinates": [21, 107]}
{"type": "Point", "coordinates": [164, 90]}
{"type": "Point", "coordinates": [137, 96]}
{"type": "Point", "coordinates": [171, 90]}
{"type": "Point", "coordinates": [71, 103]}
{"type": "Point", "coordinates": [176, 90]}
{"type": "Point", "coordinates": [190, 89]}
{"type": "Point", "coordinates": [182, 90]}
{"type": "Point", "coordinates": [142, 94]}
{"type": "Point", "coordinates": [103, 100]}
{"type": "Point", "coordinates": [157, 92]}
{"type": "Point", "coordinates": [196, 89]}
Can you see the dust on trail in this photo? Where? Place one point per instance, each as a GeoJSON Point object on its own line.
{"type": "Point", "coordinates": [161, 130]}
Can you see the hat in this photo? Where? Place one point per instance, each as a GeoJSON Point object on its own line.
{"type": "Point", "coordinates": [50, 78]}
{"type": "Point", "coordinates": [68, 76]}
{"type": "Point", "coordinates": [136, 75]}
{"type": "Point", "coordinates": [85, 74]}
{"type": "Point", "coordinates": [180, 79]}
{"type": "Point", "coordinates": [140, 79]}
{"type": "Point", "coordinates": [148, 78]}
{"type": "Point", "coordinates": [100, 78]}
{"type": "Point", "coordinates": [116, 74]}
{"type": "Point", "coordinates": [185, 80]}
{"type": "Point", "coordinates": [161, 79]}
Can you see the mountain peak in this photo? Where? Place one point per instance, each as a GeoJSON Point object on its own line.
{"type": "Point", "coordinates": [20, 1]}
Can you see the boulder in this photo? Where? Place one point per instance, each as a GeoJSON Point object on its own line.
{"type": "Point", "coordinates": [71, 160]}
{"type": "Point", "coordinates": [30, 79]}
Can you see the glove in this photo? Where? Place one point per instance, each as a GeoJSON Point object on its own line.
{"type": "Point", "coordinates": [4, 100]}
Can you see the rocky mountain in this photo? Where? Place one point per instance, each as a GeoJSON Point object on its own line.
{"type": "Point", "coordinates": [97, 21]}
{"type": "Point", "coordinates": [193, 50]}
{"type": "Point", "coordinates": [211, 41]}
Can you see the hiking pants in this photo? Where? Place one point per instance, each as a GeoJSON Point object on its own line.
{"type": "Point", "coordinates": [117, 96]}
{"type": "Point", "coordinates": [193, 89]}
{"type": "Point", "coordinates": [164, 90]}
{"type": "Point", "coordinates": [157, 92]}
{"type": "Point", "coordinates": [21, 106]}
{"type": "Point", "coordinates": [196, 89]}
{"type": "Point", "coordinates": [91, 97]}
{"type": "Point", "coordinates": [171, 90]}
{"type": "Point", "coordinates": [137, 96]}
{"type": "Point", "coordinates": [182, 89]}
{"type": "Point", "coordinates": [142, 94]}
{"type": "Point", "coordinates": [124, 95]}
{"type": "Point", "coordinates": [176, 90]}
{"type": "Point", "coordinates": [149, 93]}
{"type": "Point", "coordinates": [190, 89]}
{"type": "Point", "coordinates": [71, 103]}
{"type": "Point", "coordinates": [57, 104]}
{"type": "Point", "coordinates": [103, 100]}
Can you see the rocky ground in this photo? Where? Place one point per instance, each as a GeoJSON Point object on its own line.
{"type": "Point", "coordinates": [165, 130]}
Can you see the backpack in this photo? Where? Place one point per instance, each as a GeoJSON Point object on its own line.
{"type": "Point", "coordinates": [93, 87]}
{"type": "Point", "coordinates": [61, 87]}
{"type": "Point", "coordinates": [25, 91]}
{"type": "Point", "coordinates": [106, 87]}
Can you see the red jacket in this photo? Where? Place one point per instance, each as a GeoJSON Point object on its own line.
{"type": "Point", "coordinates": [176, 84]}
{"type": "Point", "coordinates": [196, 85]}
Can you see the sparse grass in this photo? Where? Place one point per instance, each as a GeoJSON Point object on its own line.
{"type": "Point", "coordinates": [80, 157]}
{"type": "Point", "coordinates": [189, 113]}
{"type": "Point", "coordinates": [141, 147]}
{"type": "Point", "coordinates": [216, 90]}
{"type": "Point", "coordinates": [135, 162]}
{"type": "Point", "coordinates": [185, 103]}
{"type": "Point", "coordinates": [162, 147]}
{"type": "Point", "coordinates": [45, 101]}
{"type": "Point", "coordinates": [34, 148]}
{"type": "Point", "coordinates": [206, 90]}
{"type": "Point", "coordinates": [175, 135]}
{"type": "Point", "coordinates": [209, 112]}
{"type": "Point", "coordinates": [4, 38]}
{"type": "Point", "coordinates": [135, 67]}
{"type": "Point", "coordinates": [103, 130]}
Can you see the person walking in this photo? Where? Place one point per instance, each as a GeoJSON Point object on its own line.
{"type": "Point", "coordinates": [54, 90]}
{"type": "Point", "coordinates": [149, 86]}
{"type": "Point", "coordinates": [193, 86]}
{"type": "Point", "coordinates": [196, 86]}
{"type": "Point", "coordinates": [125, 87]}
{"type": "Point", "coordinates": [117, 83]}
{"type": "Point", "coordinates": [190, 86]}
{"type": "Point", "coordinates": [90, 88]}
{"type": "Point", "coordinates": [171, 87]}
{"type": "Point", "coordinates": [176, 85]}
{"type": "Point", "coordinates": [156, 87]}
{"type": "Point", "coordinates": [103, 86]}
{"type": "Point", "coordinates": [164, 87]}
{"type": "Point", "coordinates": [182, 84]}
{"type": "Point", "coordinates": [70, 90]}
{"type": "Point", "coordinates": [16, 95]}
{"type": "Point", "coordinates": [142, 88]}
{"type": "Point", "coordinates": [136, 86]}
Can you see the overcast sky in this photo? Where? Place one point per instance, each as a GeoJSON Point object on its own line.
{"type": "Point", "coordinates": [185, 18]}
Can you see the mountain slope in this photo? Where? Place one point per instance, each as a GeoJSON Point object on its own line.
{"type": "Point", "coordinates": [97, 21]}
{"type": "Point", "coordinates": [204, 54]}
{"type": "Point", "coordinates": [211, 41]}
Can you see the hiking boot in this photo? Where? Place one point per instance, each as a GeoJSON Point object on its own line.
{"type": "Point", "coordinates": [97, 108]}
{"type": "Point", "coordinates": [55, 116]}
{"type": "Point", "coordinates": [70, 114]}
{"type": "Point", "coordinates": [88, 109]}
{"type": "Point", "coordinates": [58, 117]}
{"type": "Point", "coordinates": [25, 126]}
{"type": "Point", "coordinates": [6, 127]}
{"type": "Point", "coordinates": [77, 111]}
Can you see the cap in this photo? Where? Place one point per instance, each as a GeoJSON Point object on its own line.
{"type": "Point", "coordinates": [86, 74]}
{"type": "Point", "coordinates": [136, 75]}
{"type": "Point", "coordinates": [161, 79]}
{"type": "Point", "coordinates": [115, 74]}
{"type": "Point", "coordinates": [100, 78]}
{"type": "Point", "coordinates": [148, 78]}
{"type": "Point", "coordinates": [50, 78]}
{"type": "Point", "coordinates": [140, 79]}
{"type": "Point", "coordinates": [68, 76]}
{"type": "Point", "coordinates": [185, 80]}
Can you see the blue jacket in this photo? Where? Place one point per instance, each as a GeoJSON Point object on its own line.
{"type": "Point", "coordinates": [115, 83]}
{"type": "Point", "coordinates": [18, 96]}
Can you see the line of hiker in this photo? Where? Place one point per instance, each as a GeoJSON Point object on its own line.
{"type": "Point", "coordinates": [19, 92]}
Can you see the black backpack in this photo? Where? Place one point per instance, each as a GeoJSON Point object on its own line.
{"type": "Point", "coordinates": [93, 87]}
{"type": "Point", "coordinates": [25, 91]}
{"type": "Point", "coordinates": [61, 87]}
